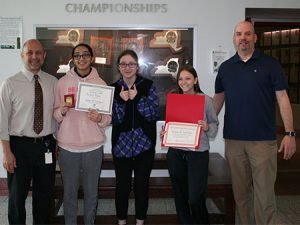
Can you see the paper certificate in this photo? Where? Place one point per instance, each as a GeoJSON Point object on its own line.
{"type": "Point", "coordinates": [93, 96]}
{"type": "Point", "coordinates": [180, 105]}
{"type": "Point", "coordinates": [181, 135]}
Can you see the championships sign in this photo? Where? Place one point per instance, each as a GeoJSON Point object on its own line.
{"type": "Point", "coordinates": [116, 8]}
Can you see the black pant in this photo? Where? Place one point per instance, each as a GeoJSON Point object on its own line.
{"type": "Point", "coordinates": [31, 170]}
{"type": "Point", "coordinates": [189, 172]}
{"type": "Point", "coordinates": [141, 165]}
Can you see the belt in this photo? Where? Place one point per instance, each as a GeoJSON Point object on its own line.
{"type": "Point", "coordinates": [31, 139]}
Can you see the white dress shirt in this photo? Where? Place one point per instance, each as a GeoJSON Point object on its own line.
{"type": "Point", "coordinates": [17, 105]}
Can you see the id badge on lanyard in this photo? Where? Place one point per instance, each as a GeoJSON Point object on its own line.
{"type": "Point", "coordinates": [48, 154]}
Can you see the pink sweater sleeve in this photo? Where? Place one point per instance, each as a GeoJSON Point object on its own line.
{"type": "Point", "coordinates": [105, 121]}
{"type": "Point", "coordinates": [57, 102]}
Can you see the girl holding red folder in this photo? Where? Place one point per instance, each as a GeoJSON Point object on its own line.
{"type": "Point", "coordinates": [188, 168]}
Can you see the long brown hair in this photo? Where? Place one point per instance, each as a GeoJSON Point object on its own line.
{"type": "Point", "coordinates": [191, 70]}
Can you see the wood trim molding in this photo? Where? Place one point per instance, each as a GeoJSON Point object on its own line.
{"type": "Point", "coordinates": [272, 14]}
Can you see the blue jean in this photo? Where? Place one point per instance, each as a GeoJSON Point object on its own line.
{"type": "Point", "coordinates": [189, 172]}
{"type": "Point", "coordinates": [76, 167]}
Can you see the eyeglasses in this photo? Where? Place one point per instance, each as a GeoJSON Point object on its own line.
{"type": "Point", "coordinates": [84, 56]}
{"type": "Point", "coordinates": [130, 65]}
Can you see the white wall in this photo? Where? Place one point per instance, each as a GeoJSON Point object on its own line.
{"type": "Point", "coordinates": [214, 20]}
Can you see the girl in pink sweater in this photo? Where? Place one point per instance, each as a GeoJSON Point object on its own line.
{"type": "Point", "coordinates": [80, 138]}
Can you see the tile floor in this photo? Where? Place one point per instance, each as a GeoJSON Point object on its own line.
{"type": "Point", "coordinates": [288, 208]}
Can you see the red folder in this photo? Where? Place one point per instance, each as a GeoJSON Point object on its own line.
{"type": "Point", "coordinates": [185, 108]}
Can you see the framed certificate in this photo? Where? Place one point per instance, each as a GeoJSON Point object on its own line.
{"type": "Point", "coordinates": [218, 57]}
{"type": "Point", "coordinates": [181, 135]}
{"type": "Point", "coordinates": [93, 96]}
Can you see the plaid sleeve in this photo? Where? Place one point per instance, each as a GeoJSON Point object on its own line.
{"type": "Point", "coordinates": [148, 106]}
{"type": "Point", "coordinates": [118, 112]}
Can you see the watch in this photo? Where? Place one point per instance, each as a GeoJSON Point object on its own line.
{"type": "Point", "coordinates": [290, 133]}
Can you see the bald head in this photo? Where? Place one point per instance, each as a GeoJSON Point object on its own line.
{"type": "Point", "coordinates": [32, 41]}
{"type": "Point", "coordinates": [33, 55]}
{"type": "Point", "coordinates": [246, 24]}
{"type": "Point", "coordinates": [244, 39]}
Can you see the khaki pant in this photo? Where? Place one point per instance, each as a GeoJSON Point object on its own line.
{"type": "Point", "coordinates": [253, 166]}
